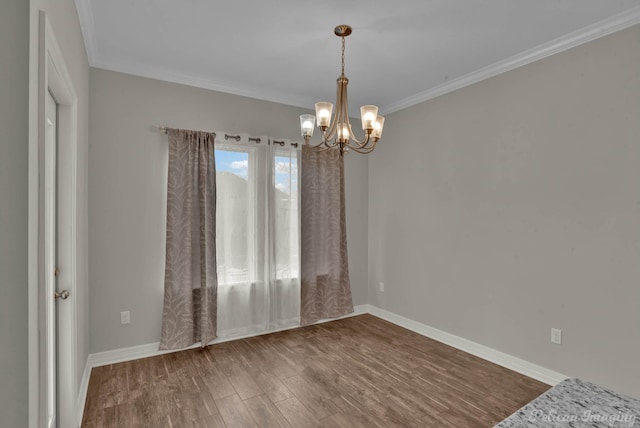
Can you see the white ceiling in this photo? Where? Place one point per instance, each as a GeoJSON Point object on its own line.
{"type": "Point", "coordinates": [400, 53]}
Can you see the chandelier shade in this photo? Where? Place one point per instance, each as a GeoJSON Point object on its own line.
{"type": "Point", "coordinates": [336, 127]}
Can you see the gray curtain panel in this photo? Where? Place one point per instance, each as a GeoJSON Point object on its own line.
{"type": "Point", "coordinates": [190, 285]}
{"type": "Point", "coordinates": [325, 287]}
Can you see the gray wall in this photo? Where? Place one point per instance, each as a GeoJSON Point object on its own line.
{"type": "Point", "coordinates": [512, 206]}
{"type": "Point", "coordinates": [127, 187]}
{"type": "Point", "coordinates": [14, 126]}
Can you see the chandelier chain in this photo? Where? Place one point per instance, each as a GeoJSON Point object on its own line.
{"type": "Point", "coordinates": [343, 55]}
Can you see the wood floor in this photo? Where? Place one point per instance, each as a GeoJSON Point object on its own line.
{"type": "Point", "coordinates": [356, 372]}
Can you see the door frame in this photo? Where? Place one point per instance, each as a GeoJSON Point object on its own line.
{"type": "Point", "coordinates": [49, 72]}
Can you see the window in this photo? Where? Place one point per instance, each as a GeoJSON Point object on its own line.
{"type": "Point", "coordinates": [235, 210]}
{"type": "Point", "coordinates": [257, 237]}
{"type": "Point", "coordinates": [286, 224]}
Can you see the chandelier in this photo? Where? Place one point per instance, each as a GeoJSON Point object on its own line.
{"type": "Point", "coordinates": [338, 132]}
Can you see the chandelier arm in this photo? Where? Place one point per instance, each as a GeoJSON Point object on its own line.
{"type": "Point", "coordinates": [328, 144]}
{"type": "Point", "coordinates": [347, 120]}
{"type": "Point", "coordinates": [315, 145]}
{"type": "Point", "coordinates": [367, 142]}
{"type": "Point", "coordinates": [322, 147]}
{"type": "Point", "coordinates": [361, 144]}
{"type": "Point", "coordinates": [363, 150]}
{"type": "Point", "coordinates": [345, 111]}
{"type": "Point", "coordinates": [329, 134]}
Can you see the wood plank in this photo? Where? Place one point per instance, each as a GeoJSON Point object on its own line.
{"type": "Point", "coordinates": [297, 414]}
{"type": "Point", "coordinates": [265, 413]}
{"type": "Point", "coordinates": [149, 408]}
{"type": "Point", "coordinates": [90, 416]}
{"type": "Point", "coordinates": [243, 381]}
{"type": "Point", "coordinates": [214, 421]}
{"type": "Point", "coordinates": [272, 386]}
{"type": "Point", "coordinates": [113, 385]}
{"type": "Point", "coordinates": [218, 384]}
{"type": "Point", "coordinates": [234, 412]}
{"type": "Point", "coordinates": [115, 416]}
{"type": "Point", "coordinates": [349, 420]}
{"type": "Point", "coordinates": [311, 397]}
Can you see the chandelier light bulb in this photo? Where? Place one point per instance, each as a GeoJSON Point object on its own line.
{"type": "Point", "coordinates": [343, 133]}
{"type": "Point", "coordinates": [306, 125]}
{"type": "Point", "coordinates": [323, 111]}
{"type": "Point", "coordinates": [377, 128]}
{"type": "Point", "coordinates": [368, 115]}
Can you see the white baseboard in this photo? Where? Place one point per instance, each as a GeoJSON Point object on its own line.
{"type": "Point", "coordinates": [152, 349]}
{"type": "Point", "coordinates": [505, 360]}
{"type": "Point", "coordinates": [521, 366]}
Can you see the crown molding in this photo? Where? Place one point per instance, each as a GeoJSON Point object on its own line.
{"type": "Point", "coordinates": [166, 75]}
{"type": "Point", "coordinates": [87, 26]}
{"type": "Point", "coordinates": [599, 29]}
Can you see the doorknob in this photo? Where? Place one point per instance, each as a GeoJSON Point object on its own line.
{"type": "Point", "coordinates": [64, 295]}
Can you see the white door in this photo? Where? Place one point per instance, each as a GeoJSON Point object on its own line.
{"type": "Point", "coordinates": [56, 310]}
{"type": "Point", "coordinates": [50, 269]}
{"type": "Point", "coordinates": [52, 243]}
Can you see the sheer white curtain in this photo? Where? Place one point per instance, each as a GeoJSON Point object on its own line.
{"type": "Point", "coordinates": [257, 235]}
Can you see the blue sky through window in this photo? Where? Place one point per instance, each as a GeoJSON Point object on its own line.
{"type": "Point", "coordinates": [238, 163]}
{"type": "Point", "coordinates": [234, 162]}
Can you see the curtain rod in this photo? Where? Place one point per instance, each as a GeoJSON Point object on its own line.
{"type": "Point", "coordinates": [165, 130]}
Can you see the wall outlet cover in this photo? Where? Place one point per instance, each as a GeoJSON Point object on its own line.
{"type": "Point", "coordinates": [125, 317]}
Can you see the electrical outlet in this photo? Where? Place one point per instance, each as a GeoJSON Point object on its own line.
{"type": "Point", "coordinates": [382, 287]}
{"type": "Point", "coordinates": [556, 336]}
{"type": "Point", "coordinates": [125, 317]}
